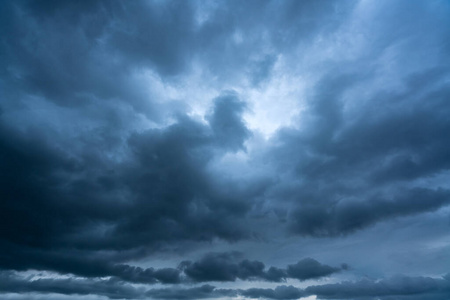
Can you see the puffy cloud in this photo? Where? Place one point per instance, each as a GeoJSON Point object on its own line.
{"type": "Point", "coordinates": [309, 268]}
{"type": "Point", "coordinates": [133, 134]}
{"type": "Point", "coordinates": [226, 267]}
{"type": "Point", "coordinates": [398, 287]}
{"type": "Point", "coordinates": [108, 288]}
{"type": "Point", "coordinates": [280, 292]}
{"type": "Point", "coordinates": [74, 205]}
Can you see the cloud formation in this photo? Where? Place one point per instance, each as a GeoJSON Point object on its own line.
{"type": "Point", "coordinates": [149, 149]}
{"type": "Point", "coordinates": [226, 267]}
{"type": "Point", "coordinates": [400, 287]}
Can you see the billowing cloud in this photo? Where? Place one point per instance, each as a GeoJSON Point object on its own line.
{"type": "Point", "coordinates": [149, 149]}
{"type": "Point", "coordinates": [227, 267]}
{"type": "Point", "coordinates": [163, 193]}
{"type": "Point", "coordinates": [399, 287]}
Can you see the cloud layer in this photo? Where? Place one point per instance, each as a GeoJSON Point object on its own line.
{"type": "Point", "coordinates": [153, 149]}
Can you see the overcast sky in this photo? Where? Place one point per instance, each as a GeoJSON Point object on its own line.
{"type": "Point", "coordinates": [225, 150]}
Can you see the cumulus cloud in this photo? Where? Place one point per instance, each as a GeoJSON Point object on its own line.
{"type": "Point", "coordinates": [226, 267]}
{"type": "Point", "coordinates": [169, 197]}
{"type": "Point", "coordinates": [138, 135]}
{"type": "Point", "coordinates": [398, 287]}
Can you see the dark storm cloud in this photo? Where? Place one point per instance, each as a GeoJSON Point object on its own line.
{"type": "Point", "coordinates": [57, 197]}
{"type": "Point", "coordinates": [227, 124]}
{"type": "Point", "coordinates": [398, 287]}
{"type": "Point", "coordinates": [212, 267]}
{"type": "Point", "coordinates": [366, 168]}
{"type": "Point", "coordinates": [174, 191]}
{"type": "Point", "coordinates": [170, 197]}
{"type": "Point", "coordinates": [83, 264]}
{"type": "Point", "coordinates": [233, 38]}
{"type": "Point", "coordinates": [102, 164]}
{"type": "Point", "coordinates": [74, 54]}
{"type": "Point", "coordinates": [216, 267]}
{"type": "Point", "coordinates": [111, 289]}
{"type": "Point", "coordinates": [204, 291]}
{"type": "Point", "coordinates": [227, 267]}
{"type": "Point", "coordinates": [347, 216]}
{"type": "Point", "coordinates": [309, 268]}
{"type": "Point", "coordinates": [280, 292]}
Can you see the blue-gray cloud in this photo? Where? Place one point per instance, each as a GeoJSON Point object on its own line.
{"type": "Point", "coordinates": [399, 287]}
{"type": "Point", "coordinates": [226, 267]}
{"type": "Point", "coordinates": [133, 133]}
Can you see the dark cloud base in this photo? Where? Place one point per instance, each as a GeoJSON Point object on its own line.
{"type": "Point", "coordinates": [106, 162]}
{"type": "Point", "coordinates": [219, 267]}
{"type": "Point", "coordinates": [223, 267]}
{"type": "Point", "coordinates": [400, 287]}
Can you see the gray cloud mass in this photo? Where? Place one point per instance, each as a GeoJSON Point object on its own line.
{"type": "Point", "coordinates": [224, 149]}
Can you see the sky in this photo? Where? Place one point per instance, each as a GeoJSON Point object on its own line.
{"type": "Point", "coordinates": [225, 149]}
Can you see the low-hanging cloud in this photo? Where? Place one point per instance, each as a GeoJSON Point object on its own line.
{"type": "Point", "coordinates": [398, 287]}
{"type": "Point", "coordinates": [227, 267]}
{"type": "Point", "coordinates": [142, 143]}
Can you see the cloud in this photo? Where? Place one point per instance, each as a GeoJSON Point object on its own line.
{"type": "Point", "coordinates": [169, 196]}
{"type": "Point", "coordinates": [347, 216]}
{"type": "Point", "coordinates": [402, 287]}
{"type": "Point", "coordinates": [309, 268]}
{"type": "Point", "coordinates": [398, 287]}
{"type": "Point", "coordinates": [125, 149]}
{"type": "Point", "coordinates": [108, 288]}
{"type": "Point", "coordinates": [347, 172]}
{"type": "Point", "coordinates": [227, 124]}
{"type": "Point", "coordinates": [227, 267]}
{"type": "Point", "coordinates": [204, 291]}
